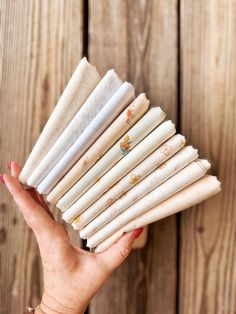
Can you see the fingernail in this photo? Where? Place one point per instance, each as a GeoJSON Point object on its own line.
{"type": "Point", "coordinates": [137, 232]}
{"type": "Point", "coordinates": [2, 178]}
{"type": "Point", "coordinates": [9, 164]}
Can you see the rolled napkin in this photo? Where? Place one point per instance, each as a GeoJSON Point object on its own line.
{"type": "Point", "coordinates": [143, 127]}
{"type": "Point", "coordinates": [122, 97]}
{"type": "Point", "coordinates": [81, 84]}
{"type": "Point", "coordinates": [141, 151]}
{"type": "Point", "coordinates": [154, 179]}
{"type": "Point", "coordinates": [137, 174]}
{"type": "Point", "coordinates": [98, 98]}
{"type": "Point", "coordinates": [183, 178]}
{"type": "Point", "coordinates": [123, 123]}
{"type": "Point", "coordinates": [193, 194]}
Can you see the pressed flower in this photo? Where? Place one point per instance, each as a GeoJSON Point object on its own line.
{"type": "Point", "coordinates": [125, 144]}
{"type": "Point", "coordinates": [129, 114]}
{"type": "Point", "coordinates": [134, 178]}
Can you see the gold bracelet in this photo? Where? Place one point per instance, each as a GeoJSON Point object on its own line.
{"type": "Point", "coordinates": [33, 310]}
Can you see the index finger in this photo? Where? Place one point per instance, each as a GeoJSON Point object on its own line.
{"type": "Point", "coordinates": [35, 215]}
{"type": "Point", "coordinates": [15, 172]}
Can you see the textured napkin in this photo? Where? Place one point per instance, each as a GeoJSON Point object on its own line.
{"type": "Point", "coordinates": [195, 193]}
{"type": "Point", "coordinates": [143, 127]}
{"type": "Point", "coordinates": [98, 98]}
{"type": "Point", "coordinates": [158, 176]}
{"type": "Point", "coordinates": [179, 181]}
{"type": "Point", "coordinates": [141, 151]}
{"type": "Point", "coordinates": [137, 174]}
{"type": "Point", "coordinates": [80, 86]}
{"type": "Point", "coordinates": [123, 123]}
{"type": "Point", "coordinates": [122, 97]}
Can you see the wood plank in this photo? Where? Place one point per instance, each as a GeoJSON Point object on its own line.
{"type": "Point", "coordinates": [41, 44]}
{"type": "Point", "coordinates": [139, 40]}
{"type": "Point", "coordinates": [208, 67]}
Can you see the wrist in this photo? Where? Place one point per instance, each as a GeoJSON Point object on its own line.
{"type": "Point", "coordinates": [44, 309]}
{"type": "Point", "coordinates": [38, 310]}
{"type": "Point", "coordinates": [50, 305]}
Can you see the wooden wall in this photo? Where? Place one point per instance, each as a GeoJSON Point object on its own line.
{"type": "Point", "coordinates": [182, 53]}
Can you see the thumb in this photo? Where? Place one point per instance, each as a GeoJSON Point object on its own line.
{"type": "Point", "coordinates": [120, 250]}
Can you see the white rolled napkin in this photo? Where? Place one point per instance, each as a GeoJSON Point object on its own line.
{"type": "Point", "coordinates": [81, 84]}
{"type": "Point", "coordinates": [193, 194]}
{"type": "Point", "coordinates": [122, 97]}
{"type": "Point", "coordinates": [124, 122]}
{"type": "Point", "coordinates": [179, 181]}
{"type": "Point", "coordinates": [154, 179]}
{"type": "Point", "coordinates": [141, 151]}
{"type": "Point", "coordinates": [122, 147]}
{"type": "Point", "coordinates": [98, 98]}
{"type": "Point", "coordinates": [152, 162]}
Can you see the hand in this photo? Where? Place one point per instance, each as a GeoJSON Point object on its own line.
{"type": "Point", "coordinates": [71, 275]}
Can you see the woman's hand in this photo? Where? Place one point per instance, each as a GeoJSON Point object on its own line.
{"type": "Point", "coordinates": [71, 275]}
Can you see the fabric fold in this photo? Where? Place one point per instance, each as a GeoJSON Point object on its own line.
{"type": "Point", "coordinates": [179, 181]}
{"type": "Point", "coordinates": [95, 102]}
{"type": "Point", "coordinates": [193, 194]}
{"type": "Point", "coordinates": [122, 147]}
{"type": "Point", "coordinates": [152, 162]}
{"type": "Point", "coordinates": [141, 151]}
{"type": "Point", "coordinates": [154, 179]}
{"type": "Point", "coordinates": [81, 84]}
{"type": "Point", "coordinates": [123, 123]}
{"type": "Point", "coordinates": [121, 99]}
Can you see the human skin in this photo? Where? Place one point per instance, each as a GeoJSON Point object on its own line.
{"type": "Point", "coordinates": [71, 275]}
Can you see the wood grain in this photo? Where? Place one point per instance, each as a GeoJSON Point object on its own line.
{"type": "Point", "coordinates": [208, 107]}
{"type": "Point", "coordinates": [41, 44]}
{"type": "Point", "coordinates": [139, 40]}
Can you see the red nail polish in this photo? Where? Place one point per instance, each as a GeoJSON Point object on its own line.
{"type": "Point", "coordinates": [137, 232]}
{"type": "Point", "coordinates": [2, 178]}
{"type": "Point", "coordinates": [9, 164]}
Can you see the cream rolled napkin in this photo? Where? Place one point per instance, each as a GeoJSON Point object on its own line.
{"type": "Point", "coordinates": [137, 174]}
{"type": "Point", "coordinates": [154, 179]}
{"type": "Point", "coordinates": [193, 194]}
{"type": "Point", "coordinates": [98, 98]}
{"type": "Point", "coordinates": [81, 84]}
{"type": "Point", "coordinates": [122, 97]}
{"type": "Point", "coordinates": [123, 123]}
{"type": "Point", "coordinates": [142, 128]}
{"type": "Point", "coordinates": [141, 151]}
{"type": "Point", "coordinates": [179, 181]}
